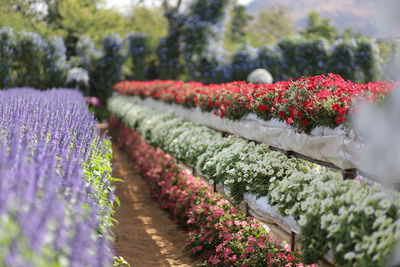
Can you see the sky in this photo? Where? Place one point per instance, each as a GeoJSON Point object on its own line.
{"type": "Point", "coordinates": [121, 4]}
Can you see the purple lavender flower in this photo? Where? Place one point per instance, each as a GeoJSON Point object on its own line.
{"type": "Point", "coordinates": [47, 208]}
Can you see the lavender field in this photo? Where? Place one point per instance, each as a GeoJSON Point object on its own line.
{"type": "Point", "coordinates": [56, 200]}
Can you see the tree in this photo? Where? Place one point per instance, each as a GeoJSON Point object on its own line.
{"type": "Point", "coordinates": [24, 7]}
{"type": "Point", "coordinates": [138, 50]}
{"type": "Point", "coordinates": [171, 13]}
{"type": "Point", "coordinates": [169, 51]}
{"type": "Point", "coordinates": [21, 15]}
{"type": "Point", "coordinates": [150, 21]}
{"type": "Point", "coordinates": [271, 25]}
{"type": "Point", "coordinates": [189, 34]}
{"type": "Point", "coordinates": [319, 27]}
{"type": "Point", "coordinates": [84, 17]}
{"type": "Point", "coordinates": [351, 33]}
{"type": "Point", "coordinates": [108, 67]}
{"type": "Point", "coordinates": [68, 18]}
{"type": "Point", "coordinates": [239, 21]}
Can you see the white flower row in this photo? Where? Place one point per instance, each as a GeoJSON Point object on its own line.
{"type": "Point", "coordinates": [360, 223]}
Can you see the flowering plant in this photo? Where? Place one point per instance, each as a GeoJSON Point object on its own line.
{"type": "Point", "coordinates": [358, 222]}
{"type": "Point", "coordinates": [57, 200]}
{"type": "Point", "coordinates": [211, 220]}
{"type": "Point", "coordinates": [308, 102]}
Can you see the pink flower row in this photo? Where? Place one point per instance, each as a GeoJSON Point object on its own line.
{"type": "Point", "coordinates": [215, 227]}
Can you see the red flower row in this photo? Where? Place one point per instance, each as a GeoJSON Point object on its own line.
{"type": "Point", "coordinates": [324, 100]}
{"type": "Point", "coordinates": [215, 225]}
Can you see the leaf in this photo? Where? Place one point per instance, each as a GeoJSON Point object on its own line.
{"type": "Point", "coordinates": [115, 179]}
{"type": "Point", "coordinates": [118, 201]}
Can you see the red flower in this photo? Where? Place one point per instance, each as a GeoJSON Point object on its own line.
{"type": "Point", "coordinates": [303, 98]}
{"type": "Point", "coordinates": [339, 119]}
{"type": "Point", "coordinates": [342, 111]}
{"type": "Point", "coordinates": [292, 110]}
{"type": "Point", "coordinates": [323, 94]}
{"type": "Point", "coordinates": [262, 107]}
{"type": "Point", "coordinates": [305, 122]}
{"type": "Point", "coordinates": [335, 107]}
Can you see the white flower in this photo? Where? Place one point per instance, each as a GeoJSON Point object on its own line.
{"type": "Point", "coordinates": [352, 234]}
{"type": "Point", "coordinates": [369, 210]}
{"type": "Point", "coordinates": [384, 203]}
{"type": "Point", "coordinates": [302, 220]}
{"type": "Point", "coordinates": [350, 255]}
{"type": "Point", "coordinates": [339, 247]}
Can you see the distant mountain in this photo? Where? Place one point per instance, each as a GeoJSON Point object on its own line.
{"type": "Point", "coordinates": [357, 14]}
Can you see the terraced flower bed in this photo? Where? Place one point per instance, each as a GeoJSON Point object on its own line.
{"type": "Point", "coordinates": [356, 222]}
{"type": "Point", "coordinates": [216, 228]}
{"type": "Point", "coordinates": [309, 117]}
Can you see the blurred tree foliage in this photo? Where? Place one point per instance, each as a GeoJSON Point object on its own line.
{"type": "Point", "coordinates": [319, 27]}
{"type": "Point", "coordinates": [190, 34]}
{"type": "Point", "coordinates": [271, 25]}
{"type": "Point", "coordinates": [239, 21]}
{"type": "Point", "coordinates": [20, 16]}
{"type": "Point", "coordinates": [84, 17]}
{"type": "Point", "coordinates": [150, 21]}
{"type": "Point", "coordinates": [67, 18]}
{"type": "Point", "coordinates": [236, 27]}
{"type": "Point", "coordinates": [184, 39]}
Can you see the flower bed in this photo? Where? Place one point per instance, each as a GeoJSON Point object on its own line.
{"type": "Point", "coordinates": [306, 103]}
{"type": "Point", "coordinates": [273, 114]}
{"type": "Point", "coordinates": [358, 222]}
{"type": "Point", "coordinates": [214, 224]}
{"type": "Point", "coordinates": [56, 201]}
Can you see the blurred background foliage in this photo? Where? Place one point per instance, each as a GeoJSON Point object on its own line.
{"type": "Point", "coordinates": [41, 41]}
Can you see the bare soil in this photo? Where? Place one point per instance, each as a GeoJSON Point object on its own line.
{"type": "Point", "coordinates": [145, 235]}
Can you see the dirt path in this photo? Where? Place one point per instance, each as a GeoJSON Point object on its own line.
{"type": "Point", "coordinates": [146, 234]}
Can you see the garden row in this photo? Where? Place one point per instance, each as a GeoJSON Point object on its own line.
{"type": "Point", "coordinates": [216, 228]}
{"type": "Point", "coordinates": [56, 200]}
{"type": "Point", "coordinates": [310, 116]}
{"type": "Point", "coordinates": [357, 223]}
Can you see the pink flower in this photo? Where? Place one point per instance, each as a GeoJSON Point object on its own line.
{"type": "Point", "coordinates": [280, 255]}
{"type": "Point", "coordinates": [214, 260]}
{"type": "Point", "coordinates": [237, 223]}
{"type": "Point", "coordinates": [290, 257]}
{"type": "Point", "coordinates": [227, 252]}
{"type": "Point", "coordinates": [249, 249]}
{"type": "Point", "coordinates": [228, 237]}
